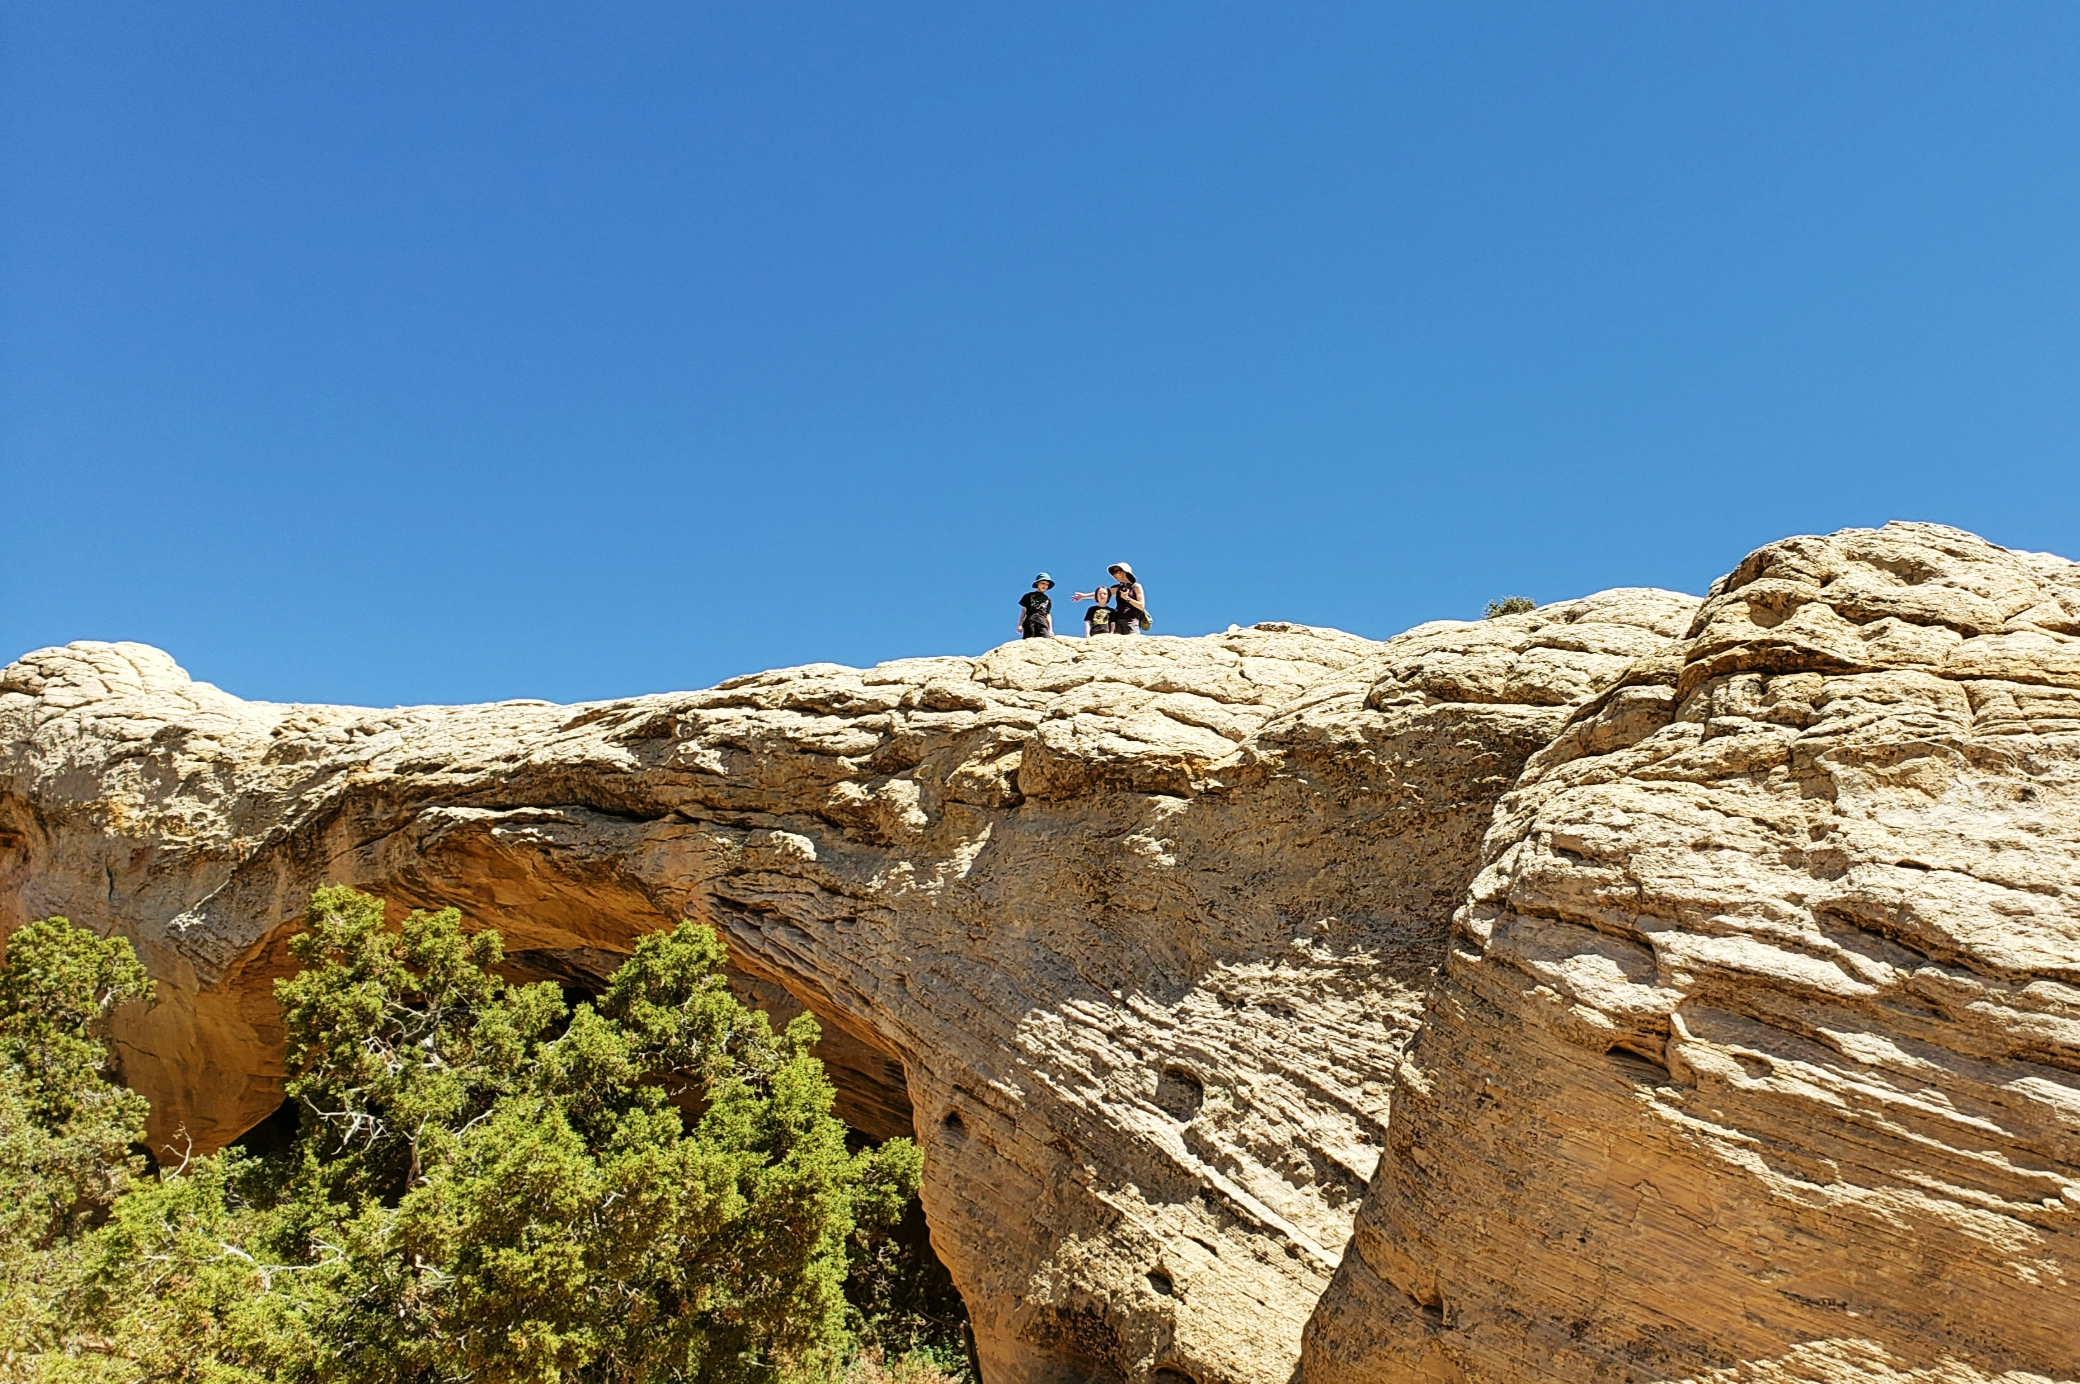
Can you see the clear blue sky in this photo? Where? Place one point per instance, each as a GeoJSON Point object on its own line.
{"type": "Point", "coordinates": [429, 352]}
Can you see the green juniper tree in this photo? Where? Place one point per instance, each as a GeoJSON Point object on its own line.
{"type": "Point", "coordinates": [67, 1128]}
{"type": "Point", "coordinates": [66, 1124]}
{"type": "Point", "coordinates": [489, 1186]}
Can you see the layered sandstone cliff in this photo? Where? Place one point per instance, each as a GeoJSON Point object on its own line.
{"type": "Point", "coordinates": [1753, 1053]}
{"type": "Point", "coordinates": [1756, 1052]}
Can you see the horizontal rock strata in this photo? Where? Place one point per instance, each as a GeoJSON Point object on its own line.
{"type": "Point", "coordinates": [1130, 932]}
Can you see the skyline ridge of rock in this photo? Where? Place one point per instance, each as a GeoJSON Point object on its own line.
{"type": "Point", "coordinates": [1737, 940]}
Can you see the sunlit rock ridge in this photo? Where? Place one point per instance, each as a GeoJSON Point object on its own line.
{"type": "Point", "coordinates": [1641, 988]}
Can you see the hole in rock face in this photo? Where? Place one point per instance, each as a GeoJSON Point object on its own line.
{"type": "Point", "coordinates": [1638, 1068]}
{"type": "Point", "coordinates": [1180, 1092]}
{"type": "Point", "coordinates": [1160, 1281]}
{"type": "Point", "coordinates": [14, 856]}
{"type": "Point", "coordinates": [272, 1135]}
{"type": "Point", "coordinates": [956, 1128]}
{"type": "Point", "coordinates": [1170, 1374]}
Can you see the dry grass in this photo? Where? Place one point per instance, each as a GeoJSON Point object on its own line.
{"type": "Point", "coordinates": [918, 1367]}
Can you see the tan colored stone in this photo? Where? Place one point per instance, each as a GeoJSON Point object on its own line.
{"type": "Point", "coordinates": [1752, 1057]}
{"type": "Point", "coordinates": [1756, 1054]}
{"type": "Point", "coordinates": [1129, 931]}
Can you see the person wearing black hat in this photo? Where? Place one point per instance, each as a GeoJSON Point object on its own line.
{"type": "Point", "coordinates": [1036, 610]}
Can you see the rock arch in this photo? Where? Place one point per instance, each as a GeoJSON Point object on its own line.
{"type": "Point", "coordinates": [1131, 935]}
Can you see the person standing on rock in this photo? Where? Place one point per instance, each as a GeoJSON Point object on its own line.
{"type": "Point", "coordinates": [1098, 619]}
{"type": "Point", "coordinates": [1129, 602]}
{"type": "Point", "coordinates": [1036, 610]}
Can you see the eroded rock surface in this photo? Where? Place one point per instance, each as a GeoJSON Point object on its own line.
{"type": "Point", "coordinates": [1130, 931]}
{"type": "Point", "coordinates": [1756, 1055]}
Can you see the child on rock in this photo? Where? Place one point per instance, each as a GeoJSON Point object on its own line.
{"type": "Point", "coordinates": [1036, 610]}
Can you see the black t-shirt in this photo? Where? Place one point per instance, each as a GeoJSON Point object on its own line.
{"type": "Point", "coordinates": [1036, 605]}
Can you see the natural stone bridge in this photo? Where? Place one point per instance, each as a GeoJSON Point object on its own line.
{"type": "Point", "coordinates": [1738, 943]}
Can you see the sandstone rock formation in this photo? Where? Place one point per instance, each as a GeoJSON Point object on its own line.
{"type": "Point", "coordinates": [1756, 1053]}
{"type": "Point", "coordinates": [1753, 1056]}
{"type": "Point", "coordinates": [1135, 928]}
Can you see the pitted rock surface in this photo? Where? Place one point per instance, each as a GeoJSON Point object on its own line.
{"type": "Point", "coordinates": [1756, 1054]}
{"type": "Point", "coordinates": [1128, 931]}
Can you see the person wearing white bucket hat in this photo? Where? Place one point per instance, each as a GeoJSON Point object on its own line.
{"type": "Point", "coordinates": [1129, 601]}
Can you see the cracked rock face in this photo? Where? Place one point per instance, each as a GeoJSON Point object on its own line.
{"type": "Point", "coordinates": [1756, 1051]}
{"type": "Point", "coordinates": [1128, 932]}
{"type": "Point", "coordinates": [1746, 934]}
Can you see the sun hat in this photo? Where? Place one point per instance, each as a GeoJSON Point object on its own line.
{"type": "Point", "coordinates": [1122, 567]}
{"type": "Point", "coordinates": [1043, 577]}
